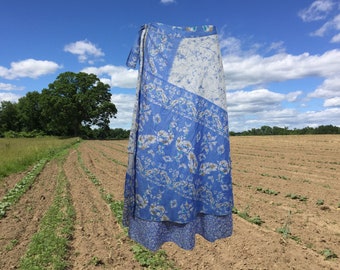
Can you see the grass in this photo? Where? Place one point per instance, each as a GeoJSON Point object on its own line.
{"type": "Point", "coordinates": [17, 154]}
{"type": "Point", "coordinates": [48, 248]}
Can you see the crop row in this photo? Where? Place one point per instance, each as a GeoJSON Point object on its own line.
{"type": "Point", "coordinates": [146, 258]}
{"type": "Point", "coordinates": [14, 194]}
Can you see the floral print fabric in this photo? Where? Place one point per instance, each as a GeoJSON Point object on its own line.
{"type": "Point", "coordinates": [178, 181]}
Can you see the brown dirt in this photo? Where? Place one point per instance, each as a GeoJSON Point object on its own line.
{"type": "Point", "coordinates": [23, 218]}
{"type": "Point", "coordinates": [308, 166]}
{"type": "Point", "coordinates": [98, 237]}
{"type": "Point", "coordinates": [9, 182]}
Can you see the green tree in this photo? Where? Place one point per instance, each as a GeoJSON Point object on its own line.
{"type": "Point", "coordinates": [328, 129]}
{"type": "Point", "coordinates": [9, 118]}
{"type": "Point", "coordinates": [266, 130]}
{"type": "Point", "coordinates": [74, 102]}
{"type": "Point", "coordinates": [29, 108]}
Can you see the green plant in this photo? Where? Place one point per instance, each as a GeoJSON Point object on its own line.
{"type": "Point", "coordinates": [256, 220]}
{"type": "Point", "coordinates": [285, 229]}
{"type": "Point", "coordinates": [297, 197]}
{"type": "Point", "coordinates": [309, 245]}
{"type": "Point", "coordinates": [284, 177]}
{"type": "Point", "coordinates": [320, 202]}
{"type": "Point", "coordinates": [245, 215]}
{"type": "Point", "coordinates": [49, 246]}
{"type": "Point", "coordinates": [151, 260]}
{"type": "Point", "coordinates": [117, 209]}
{"type": "Point", "coordinates": [13, 195]}
{"type": "Point", "coordinates": [96, 261]}
{"type": "Point", "coordinates": [12, 244]}
{"type": "Point", "coordinates": [267, 191]}
{"type": "Point", "coordinates": [328, 254]}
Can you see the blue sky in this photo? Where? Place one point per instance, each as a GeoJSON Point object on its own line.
{"type": "Point", "coordinates": [281, 58]}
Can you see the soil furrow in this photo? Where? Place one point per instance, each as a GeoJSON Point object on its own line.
{"type": "Point", "coordinates": [307, 166]}
{"type": "Point", "coordinates": [110, 174]}
{"type": "Point", "coordinates": [250, 247]}
{"type": "Point", "coordinates": [10, 181]}
{"type": "Point", "coordinates": [22, 221]}
{"type": "Point", "coordinates": [98, 239]}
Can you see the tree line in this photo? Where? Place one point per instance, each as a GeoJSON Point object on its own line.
{"type": "Point", "coordinates": [74, 105]}
{"type": "Point", "coordinates": [79, 105]}
{"type": "Point", "coordinates": [267, 130]}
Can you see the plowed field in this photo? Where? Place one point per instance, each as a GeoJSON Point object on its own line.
{"type": "Point", "coordinates": [287, 208]}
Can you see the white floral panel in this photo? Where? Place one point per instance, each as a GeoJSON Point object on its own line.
{"type": "Point", "coordinates": [198, 68]}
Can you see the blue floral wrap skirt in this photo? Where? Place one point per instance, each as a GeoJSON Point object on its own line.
{"type": "Point", "coordinates": [178, 182]}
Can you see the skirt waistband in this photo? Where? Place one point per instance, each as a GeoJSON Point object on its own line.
{"type": "Point", "coordinates": [176, 32]}
{"type": "Point", "coordinates": [183, 31]}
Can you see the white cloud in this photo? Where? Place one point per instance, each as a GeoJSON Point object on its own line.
{"type": "Point", "coordinates": [333, 24]}
{"type": "Point", "coordinates": [257, 101]}
{"type": "Point", "coordinates": [267, 117]}
{"type": "Point", "coordinates": [332, 102]}
{"type": "Point", "coordinates": [118, 76]}
{"type": "Point", "coordinates": [328, 89]}
{"type": "Point", "coordinates": [124, 104]}
{"type": "Point", "coordinates": [321, 10]}
{"type": "Point", "coordinates": [292, 117]}
{"type": "Point", "coordinates": [285, 117]}
{"type": "Point", "coordinates": [168, 1]}
{"type": "Point", "coordinates": [253, 101]}
{"type": "Point", "coordinates": [30, 68]}
{"type": "Point", "coordinates": [255, 108]}
{"type": "Point", "coordinates": [9, 97]}
{"type": "Point", "coordinates": [10, 87]}
{"type": "Point", "coordinates": [249, 109]}
{"type": "Point", "coordinates": [230, 45]}
{"type": "Point", "coordinates": [234, 46]}
{"type": "Point", "coordinates": [293, 96]}
{"type": "Point", "coordinates": [318, 10]}
{"type": "Point", "coordinates": [336, 39]}
{"type": "Point", "coordinates": [85, 50]}
{"type": "Point", "coordinates": [325, 117]}
{"type": "Point", "coordinates": [243, 71]}
{"type": "Point", "coordinates": [277, 47]}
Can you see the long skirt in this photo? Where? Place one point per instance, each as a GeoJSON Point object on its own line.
{"type": "Point", "coordinates": [178, 182]}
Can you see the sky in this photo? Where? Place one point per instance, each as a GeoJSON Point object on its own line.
{"type": "Point", "coordinates": [281, 59]}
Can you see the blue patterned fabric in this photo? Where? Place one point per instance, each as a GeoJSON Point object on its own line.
{"type": "Point", "coordinates": [178, 181]}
